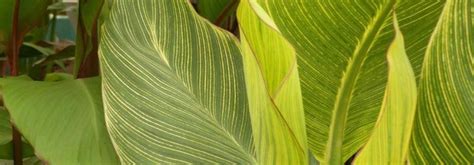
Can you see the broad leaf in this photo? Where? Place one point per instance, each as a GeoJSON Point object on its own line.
{"type": "Point", "coordinates": [389, 142]}
{"type": "Point", "coordinates": [273, 88]}
{"type": "Point", "coordinates": [342, 64]}
{"type": "Point", "coordinates": [173, 86]}
{"type": "Point", "coordinates": [443, 132]}
{"type": "Point", "coordinates": [63, 120]}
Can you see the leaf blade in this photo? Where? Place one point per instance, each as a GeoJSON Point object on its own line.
{"type": "Point", "coordinates": [443, 128]}
{"type": "Point", "coordinates": [49, 120]}
{"type": "Point", "coordinates": [179, 88]}
{"type": "Point", "coordinates": [273, 89]}
{"type": "Point", "coordinates": [391, 138]}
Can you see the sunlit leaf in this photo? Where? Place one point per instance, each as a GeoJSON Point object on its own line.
{"type": "Point", "coordinates": [391, 136]}
{"type": "Point", "coordinates": [342, 64]}
{"type": "Point", "coordinates": [273, 89]}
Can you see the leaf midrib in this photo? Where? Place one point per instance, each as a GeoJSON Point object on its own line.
{"type": "Point", "coordinates": [341, 107]}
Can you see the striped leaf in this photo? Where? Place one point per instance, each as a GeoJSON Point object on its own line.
{"type": "Point", "coordinates": [443, 132]}
{"type": "Point", "coordinates": [173, 86]}
{"type": "Point", "coordinates": [342, 64]}
{"type": "Point", "coordinates": [62, 120]}
{"type": "Point", "coordinates": [389, 141]}
{"type": "Point", "coordinates": [273, 88]}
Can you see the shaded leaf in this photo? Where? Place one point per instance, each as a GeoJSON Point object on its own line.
{"type": "Point", "coordinates": [62, 120]}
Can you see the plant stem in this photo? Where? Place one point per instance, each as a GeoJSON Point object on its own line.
{"type": "Point", "coordinates": [52, 35]}
{"type": "Point", "coordinates": [14, 53]}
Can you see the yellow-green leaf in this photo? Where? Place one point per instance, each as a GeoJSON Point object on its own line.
{"type": "Point", "coordinates": [273, 89]}
{"type": "Point", "coordinates": [443, 132]}
{"type": "Point", "coordinates": [389, 141]}
{"type": "Point", "coordinates": [341, 48]}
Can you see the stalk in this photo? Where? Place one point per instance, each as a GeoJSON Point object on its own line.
{"type": "Point", "coordinates": [13, 62]}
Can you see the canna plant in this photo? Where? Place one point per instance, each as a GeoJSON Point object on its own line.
{"type": "Point", "coordinates": [383, 82]}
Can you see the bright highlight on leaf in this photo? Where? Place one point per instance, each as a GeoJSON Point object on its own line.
{"type": "Point", "coordinates": [273, 88]}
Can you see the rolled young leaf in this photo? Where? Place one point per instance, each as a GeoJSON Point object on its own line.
{"type": "Point", "coordinates": [443, 132]}
{"type": "Point", "coordinates": [390, 139]}
{"type": "Point", "coordinates": [173, 86]}
{"type": "Point", "coordinates": [273, 88]}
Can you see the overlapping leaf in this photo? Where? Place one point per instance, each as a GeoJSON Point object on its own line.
{"type": "Point", "coordinates": [342, 62]}
{"type": "Point", "coordinates": [273, 88]}
{"type": "Point", "coordinates": [173, 86]}
{"type": "Point", "coordinates": [389, 141]}
{"type": "Point", "coordinates": [443, 130]}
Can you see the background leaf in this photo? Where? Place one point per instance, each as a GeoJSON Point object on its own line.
{"type": "Point", "coordinates": [173, 86]}
{"type": "Point", "coordinates": [443, 129]}
{"type": "Point", "coordinates": [211, 9]}
{"type": "Point", "coordinates": [63, 120]}
{"type": "Point", "coordinates": [32, 13]}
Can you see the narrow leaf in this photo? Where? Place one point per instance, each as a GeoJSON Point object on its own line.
{"type": "Point", "coordinates": [342, 63]}
{"type": "Point", "coordinates": [389, 142]}
{"type": "Point", "coordinates": [273, 88]}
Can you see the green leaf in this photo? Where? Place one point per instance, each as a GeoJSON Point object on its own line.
{"type": "Point", "coordinates": [6, 150]}
{"type": "Point", "coordinates": [273, 88]}
{"type": "Point", "coordinates": [6, 144]}
{"type": "Point", "coordinates": [342, 64]}
{"type": "Point", "coordinates": [5, 127]}
{"type": "Point", "coordinates": [173, 86]}
{"type": "Point", "coordinates": [443, 131]}
{"type": "Point", "coordinates": [63, 120]}
{"type": "Point", "coordinates": [389, 141]}
{"type": "Point", "coordinates": [211, 9]}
